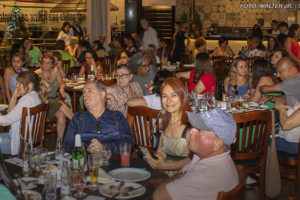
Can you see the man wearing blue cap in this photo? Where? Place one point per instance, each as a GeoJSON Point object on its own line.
{"type": "Point", "coordinates": [212, 169]}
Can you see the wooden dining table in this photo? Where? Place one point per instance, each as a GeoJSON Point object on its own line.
{"type": "Point", "coordinates": [76, 92]}
{"type": "Point", "coordinates": [157, 176]}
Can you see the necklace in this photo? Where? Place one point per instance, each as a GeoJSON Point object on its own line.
{"type": "Point", "coordinates": [48, 78]}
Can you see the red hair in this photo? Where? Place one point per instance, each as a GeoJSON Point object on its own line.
{"type": "Point", "coordinates": [178, 87]}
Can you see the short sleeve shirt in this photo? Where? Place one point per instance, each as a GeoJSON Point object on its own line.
{"type": "Point", "coordinates": [207, 79]}
{"type": "Point", "coordinates": [290, 88]}
{"type": "Point", "coordinates": [204, 178]}
{"type": "Point", "coordinates": [146, 82]}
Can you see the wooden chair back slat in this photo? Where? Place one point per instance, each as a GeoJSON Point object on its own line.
{"type": "Point", "coordinates": [141, 121]}
{"type": "Point", "coordinates": [257, 125]}
{"type": "Point", "coordinates": [66, 66]}
{"type": "Point", "coordinates": [38, 119]}
{"type": "Point", "coordinates": [221, 66]}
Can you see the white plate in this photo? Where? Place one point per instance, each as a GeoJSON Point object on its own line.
{"type": "Point", "coordinates": [3, 107]}
{"type": "Point", "coordinates": [106, 191]}
{"type": "Point", "coordinates": [129, 174]}
{"type": "Point", "coordinates": [26, 179]}
{"type": "Point", "coordinates": [37, 195]}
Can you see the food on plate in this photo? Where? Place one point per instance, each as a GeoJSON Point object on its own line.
{"type": "Point", "coordinates": [48, 167]}
{"type": "Point", "coordinates": [124, 191]}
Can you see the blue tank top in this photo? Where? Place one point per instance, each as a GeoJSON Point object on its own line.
{"type": "Point", "coordinates": [13, 81]}
{"type": "Point", "coordinates": [241, 90]}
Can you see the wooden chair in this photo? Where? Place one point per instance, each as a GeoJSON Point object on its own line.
{"type": "Point", "coordinates": [250, 148]}
{"type": "Point", "coordinates": [66, 66]}
{"type": "Point", "coordinates": [221, 66]}
{"type": "Point", "coordinates": [38, 118]}
{"type": "Point", "coordinates": [187, 57]}
{"type": "Point", "coordinates": [237, 192]}
{"type": "Point", "coordinates": [250, 61]}
{"type": "Point", "coordinates": [141, 121]}
{"type": "Point", "coordinates": [288, 162]}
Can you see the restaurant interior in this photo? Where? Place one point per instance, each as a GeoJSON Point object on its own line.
{"type": "Point", "coordinates": [105, 36]}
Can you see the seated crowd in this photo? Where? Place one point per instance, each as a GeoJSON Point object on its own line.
{"type": "Point", "coordinates": [194, 148]}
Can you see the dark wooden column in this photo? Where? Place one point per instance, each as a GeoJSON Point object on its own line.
{"type": "Point", "coordinates": [132, 15]}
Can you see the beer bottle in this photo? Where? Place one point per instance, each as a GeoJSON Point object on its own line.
{"type": "Point", "coordinates": [78, 153]}
{"type": "Point", "coordinates": [91, 76]}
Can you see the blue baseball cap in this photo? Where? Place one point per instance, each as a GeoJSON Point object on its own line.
{"type": "Point", "coordinates": [218, 121]}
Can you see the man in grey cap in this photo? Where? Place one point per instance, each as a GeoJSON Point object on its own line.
{"type": "Point", "coordinates": [212, 169]}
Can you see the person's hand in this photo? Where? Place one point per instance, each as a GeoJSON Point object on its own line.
{"type": "Point", "coordinates": [246, 96]}
{"type": "Point", "coordinates": [280, 106]}
{"type": "Point", "coordinates": [262, 88]}
{"type": "Point", "coordinates": [95, 146]}
{"type": "Point", "coordinates": [62, 92]}
{"type": "Point", "coordinates": [155, 164]}
{"type": "Point", "coordinates": [16, 94]}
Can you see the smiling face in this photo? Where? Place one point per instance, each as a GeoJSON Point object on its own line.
{"type": "Point", "coordinates": [241, 68]}
{"type": "Point", "coordinates": [276, 57]}
{"type": "Point", "coordinates": [17, 63]}
{"type": "Point", "coordinates": [123, 77]}
{"type": "Point", "coordinates": [47, 64]}
{"type": "Point", "coordinates": [92, 96]}
{"type": "Point", "coordinates": [170, 100]}
{"type": "Point", "coordinates": [88, 57]}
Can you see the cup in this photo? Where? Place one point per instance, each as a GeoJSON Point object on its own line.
{"type": "Point", "coordinates": [79, 183]}
{"type": "Point", "coordinates": [50, 185]}
{"type": "Point", "coordinates": [106, 153]}
{"type": "Point", "coordinates": [125, 149]}
{"type": "Point", "coordinates": [93, 163]}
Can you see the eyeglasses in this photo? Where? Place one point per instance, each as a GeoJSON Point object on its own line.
{"type": "Point", "coordinates": [87, 57]}
{"type": "Point", "coordinates": [122, 75]}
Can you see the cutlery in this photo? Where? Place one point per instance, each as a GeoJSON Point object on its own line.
{"type": "Point", "coordinates": [121, 191]}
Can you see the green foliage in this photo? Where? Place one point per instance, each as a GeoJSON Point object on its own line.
{"type": "Point", "coordinates": [16, 27]}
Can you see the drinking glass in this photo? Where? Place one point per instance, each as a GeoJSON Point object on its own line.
{"type": "Point", "coordinates": [106, 153]}
{"type": "Point", "coordinates": [79, 183]}
{"type": "Point", "coordinates": [93, 163]}
{"type": "Point", "coordinates": [43, 156]}
{"type": "Point", "coordinates": [50, 185]}
{"type": "Point", "coordinates": [125, 149]}
{"type": "Point", "coordinates": [59, 150]}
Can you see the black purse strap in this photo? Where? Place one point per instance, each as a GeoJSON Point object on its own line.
{"type": "Point", "coordinates": [185, 131]}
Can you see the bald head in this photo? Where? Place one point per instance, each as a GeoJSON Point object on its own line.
{"type": "Point", "coordinates": [286, 68]}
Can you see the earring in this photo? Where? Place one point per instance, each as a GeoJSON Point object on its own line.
{"type": "Point", "coordinates": [163, 111]}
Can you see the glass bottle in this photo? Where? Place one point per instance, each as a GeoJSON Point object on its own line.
{"type": "Point", "coordinates": [78, 153]}
{"type": "Point", "coordinates": [91, 76]}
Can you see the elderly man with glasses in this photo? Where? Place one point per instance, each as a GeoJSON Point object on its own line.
{"type": "Point", "coordinates": [143, 72]}
{"type": "Point", "coordinates": [98, 125]}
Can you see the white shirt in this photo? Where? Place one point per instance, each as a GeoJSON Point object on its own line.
{"type": "Point", "coordinates": [153, 101]}
{"type": "Point", "coordinates": [150, 37]}
{"type": "Point", "coordinates": [13, 118]}
{"type": "Point", "coordinates": [65, 37]}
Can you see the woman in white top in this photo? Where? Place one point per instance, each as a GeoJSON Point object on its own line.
{"type": "Point", "coordinates": [28, 86]}
{"type": "Point", "coordinates": [64, 34]}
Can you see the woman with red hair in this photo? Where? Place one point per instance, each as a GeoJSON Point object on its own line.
{"type": "Point", "coordinates": [173, 151]}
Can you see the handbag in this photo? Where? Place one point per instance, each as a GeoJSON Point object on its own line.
{"type": "Point", "coordinates": [155, 136]}
{"type": "Point", "coordinates": [272, 177]}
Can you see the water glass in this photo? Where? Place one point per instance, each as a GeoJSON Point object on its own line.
{"type": "Point", "coordinates": [59, 151]}
{"type": "Point", "coordinates": [125, 149]}
{"type": "Point", "coordinates": [50, 185]}
{"type": "Point", "coordinates": [43, 156]}
{"type": "Point", "coordinates": [106, 153]}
